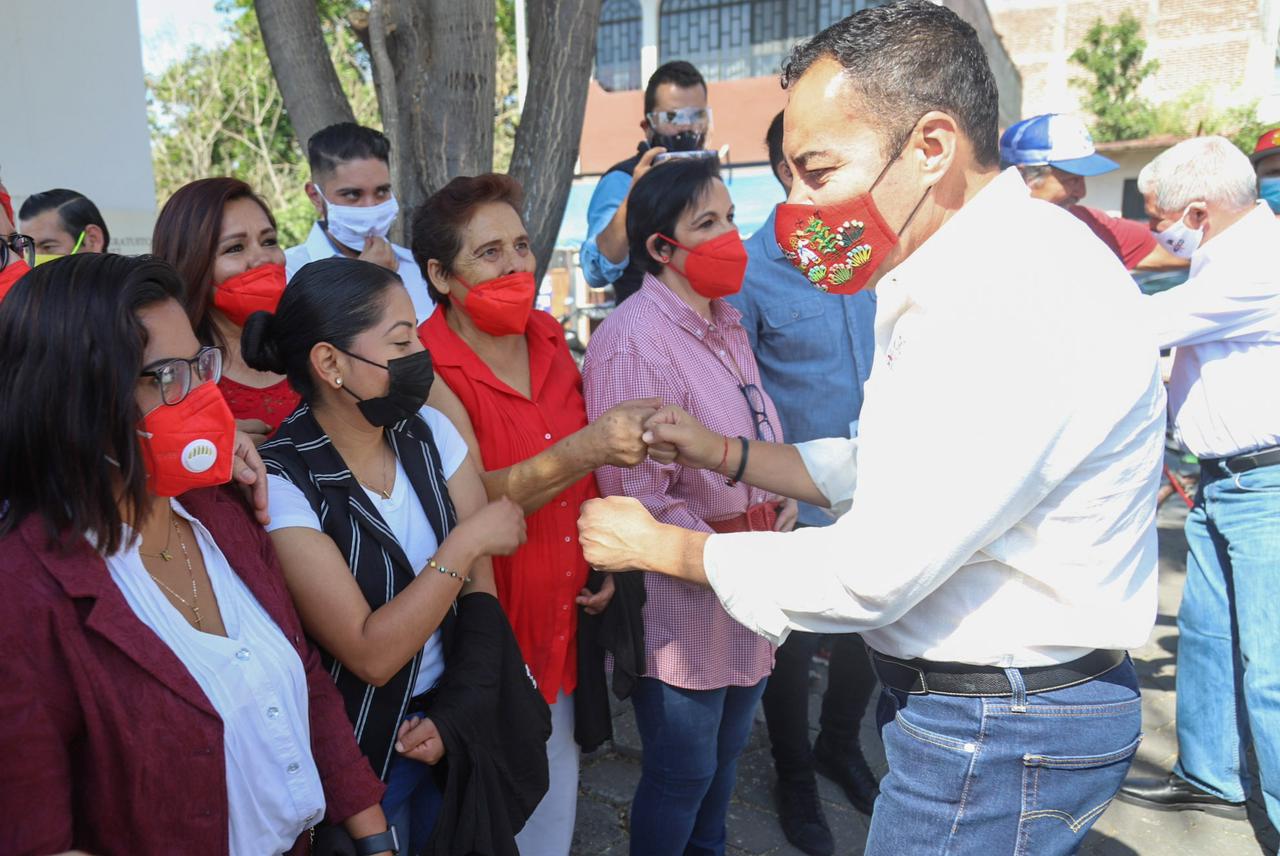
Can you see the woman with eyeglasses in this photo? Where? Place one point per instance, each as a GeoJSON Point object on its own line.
{"type": "Point", "coordinates": [221, 237]}
{"type": "Point", "coordinates": [157, 692]}
{"type": "Point", "coordinates": [701, 673]}
{"type": "Point", "coordinates": [17, 251]}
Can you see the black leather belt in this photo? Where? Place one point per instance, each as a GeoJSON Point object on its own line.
{"type": "Point", "coordinates": [918, 677]}
{"type": "Point", "coordinates": [1237, 464]}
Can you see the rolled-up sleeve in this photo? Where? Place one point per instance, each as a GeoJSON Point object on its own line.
{"type": "Point", "coordinates": [833, 465]}
{"type": "Point", "coordinates": [609, 195]}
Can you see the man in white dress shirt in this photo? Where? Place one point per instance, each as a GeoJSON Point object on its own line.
{"type": "Point", "coordinates": [998, 603]}
{"type": "Point", "coordinates": [350, 188]}
{"type": "Point", "coordinates": [1223, 396]}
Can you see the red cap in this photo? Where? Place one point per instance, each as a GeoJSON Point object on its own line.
{"type": "Point", "coordinates": [1268, 144]}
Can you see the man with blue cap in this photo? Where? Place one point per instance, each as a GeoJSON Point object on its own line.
{"type": "Point", "coordinates": [1055, 154]}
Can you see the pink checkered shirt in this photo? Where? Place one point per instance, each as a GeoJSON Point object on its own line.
{"type": "Point", "coordinates": [656, 346]}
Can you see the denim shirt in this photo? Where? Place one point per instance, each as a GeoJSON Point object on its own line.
{"type": "Point", "coordinates": [605, 201]}
{"type": "Point", "coordinates": [814, 349]}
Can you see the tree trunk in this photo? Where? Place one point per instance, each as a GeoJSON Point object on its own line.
{"type": "Point", "coordinates": [300, 60]}
{"type": "Point", "coordinates": [562, 42]}
{"type": "Point", "coordinates": [442, 56]}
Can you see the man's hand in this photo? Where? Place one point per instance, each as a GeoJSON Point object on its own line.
{"type": "Point", "coordinates": [248, 470]}
{"type": "Point", "coordinates": [255, 428]}
{"type": "Point", "coordinates": [420, 740]}
{"type": "Point", "coordinates": [616, 436]}
{"type": "Point", "coordinates": [788, 514]}
{"type": "Point", "coordinates": [596, 602]}
{"type": "Point", "coordinates": [645, 163]}
{"type": "Point", "coordinates": [615, 533]}
{"type": "Point", "coordinates": [674, 435]}
{"type": "Point", "coordinates": [378, 250]}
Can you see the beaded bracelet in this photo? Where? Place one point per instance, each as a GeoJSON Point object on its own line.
{"type": "Point", "coordinates": [432, 563]}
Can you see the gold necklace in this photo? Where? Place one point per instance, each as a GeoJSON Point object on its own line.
{"type": "Point", "coordinates": [384, 492]}
{"type": "Point", "coordinates": [194, 605]}
{"type": "Point", "coordinates": [163, 554]}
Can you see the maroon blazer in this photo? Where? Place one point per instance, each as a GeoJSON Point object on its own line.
{"type": "Point", "coordinates": [107, 744]}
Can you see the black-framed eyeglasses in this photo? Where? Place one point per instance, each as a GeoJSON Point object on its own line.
{"type": "Point", "coordinates": [174, 377]}
{"type": "Point", "coordinates": [755, 401]}
{"type": "Point", "coordinates": [23, 245]}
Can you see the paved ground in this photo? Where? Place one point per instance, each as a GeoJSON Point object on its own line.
{"type": "Point", "coordinates": [609, 776]}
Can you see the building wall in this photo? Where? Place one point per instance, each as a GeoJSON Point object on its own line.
{"type": "Point", "coordinates": [1227, 46]}
{"type": "Point", "coordinates": [81, 120]}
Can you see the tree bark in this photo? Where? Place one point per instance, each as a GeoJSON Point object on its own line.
{"type": "Point", "coordinates": [562, 42]}
{"type": "Point", "coordinates": [300, 60]}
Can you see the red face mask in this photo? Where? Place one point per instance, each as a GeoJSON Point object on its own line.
{"type": "Point", "coordinates": [714, 268]}
{"type": "Point", "coordinates": [13, 272]}
{"type": "Point", "coordinates": [189, 444]}
{"type": "Point", "coordinates": [6, 202]}
{"type": "Point", "coordinates": [838, 247]}
{"type": "Point", "coordinates": [245, 293]}
{"type": "Point", "coordinates": [501, 306]}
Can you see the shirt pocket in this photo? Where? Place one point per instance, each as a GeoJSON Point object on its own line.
{"type": "Point", "coordinates": [802, 329]}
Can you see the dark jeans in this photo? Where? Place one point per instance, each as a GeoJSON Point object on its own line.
{"type": "Point", "coordinates": [412, 803]}
{"type": "Point", "coordinates": [850, 683]}
{"type": "Point", "coordinates": [1025, 776]}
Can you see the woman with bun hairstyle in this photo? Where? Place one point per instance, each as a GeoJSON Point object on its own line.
{"type": "Point", "coordinates": [384, 533]}
{"type": "Point", "coordinates": [222, 239]}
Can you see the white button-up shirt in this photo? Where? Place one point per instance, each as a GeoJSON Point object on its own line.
{"type": "Point", "coordinates": [255, 681]}
{"type": "Point", "coordinates": [318, 246]}
{"type": "Point", "coordinates": [1002, 483]}
{"type": "Point", "coordinates": [1225, 322]}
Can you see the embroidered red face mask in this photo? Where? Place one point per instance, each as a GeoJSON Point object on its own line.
{"type": "Point", "coordinates": [245, 293]}
{"type": "Point", "coordinates": [501, 306]}
{"type": "Point", "coordinates": [714, 268]}
{"type": "Point", "coordinates": [189, 444]}
{"type": "Point", "coordinates": [838, 247]}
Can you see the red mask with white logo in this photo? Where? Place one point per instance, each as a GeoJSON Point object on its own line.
{"type": "Point", "coordinates": [714, 268]}
{"type": "Point", "coordinates": [189, 444]}
{"type": "Point", "coordinates": [246, 293]}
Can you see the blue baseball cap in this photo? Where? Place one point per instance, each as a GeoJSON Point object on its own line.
{"type": "Point", "coordinates": [1057, 139]}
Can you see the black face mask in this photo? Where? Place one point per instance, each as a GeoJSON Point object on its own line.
{"type": "Point", "coordinates": [684, 141]}
{"type": "Point", "coordinates": [411, 379]}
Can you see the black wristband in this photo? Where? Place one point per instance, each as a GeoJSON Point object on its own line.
{"type": "Point", "coordinates": [742, 463]}
{"type": "Point", "coordinates": [379, 843]}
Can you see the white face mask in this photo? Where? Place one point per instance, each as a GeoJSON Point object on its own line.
{"type": "Point", "coordinates": [1180, 239]}
{"type": "Point", "coordinates": [351, 224]}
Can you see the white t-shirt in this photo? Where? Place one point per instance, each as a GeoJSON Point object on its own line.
{"type": "Point", "coordinates": [403, 514]}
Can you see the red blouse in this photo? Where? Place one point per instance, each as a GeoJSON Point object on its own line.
{"type": "Point", "coordinates": [536, 586]}
{"type": "Point", "coordinates": [272, 404]}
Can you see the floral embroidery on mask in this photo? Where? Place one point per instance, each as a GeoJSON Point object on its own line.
{"type": "Point", "coordinates": [828, 257]}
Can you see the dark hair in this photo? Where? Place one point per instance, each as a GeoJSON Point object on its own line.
{"type": "Point", "coordinates": [186, 236]}
{"type": "Point", "coordinates": [71, 347]}
{"type": "Point", "coordinates": [659, 198]}
{"type": "Point", "coordinates": [438, 222]}
{"type": "Point", "coordinates": [74, 210]}
{"type": "Point", "coordinates": [679, 72]}
{"type": "Point", "coordinates": [773, 139]}
{"type": "Point", "coordinates": [331, 300]}
{"type": "Point", "coordinates": [333, 146]}
{"type": "Point", "coordinates": [908, 58]}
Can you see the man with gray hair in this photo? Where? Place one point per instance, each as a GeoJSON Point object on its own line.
{"type": "Point", "coordinates": [1225, 323]}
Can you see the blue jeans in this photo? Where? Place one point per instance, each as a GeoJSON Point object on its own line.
{"type": "Point", "coordinates": [1229, 638]}
{"type": "Point", "coordinates": [1026, 775]}
{"type": "Point", "coordinates": [691, 741]}
{"type": "Point", "coordinates": [412, 803]}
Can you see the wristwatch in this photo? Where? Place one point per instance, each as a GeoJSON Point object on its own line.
{"type": "Point", "coordinates": [380, 843]}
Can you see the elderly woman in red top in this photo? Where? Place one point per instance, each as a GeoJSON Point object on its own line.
{"type": "Point", "coordinates": [517, 400]}
{"type": "Point", "coordinates": [157, 692]}
{"type": "Point", "coordinates": [222, 239]}
{"type": "Point", "coordinates": [703, 673]}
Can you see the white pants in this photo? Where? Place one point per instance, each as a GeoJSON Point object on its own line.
{"type": "Point", "coordinates": [549, 832]}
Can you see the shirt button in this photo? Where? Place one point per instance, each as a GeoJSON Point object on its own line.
{"type": "Point", "coordinates": [564, 504]}
{"type": "Point", "coordinates": [566, 609]}
{"type": "Point", "coordinates": [243, 654]}
{"type": "Point", "coordinates": [292, 768]}
{"type": "Point", "coordinates": [567, 539]}
{"type": "Point", "coordinates": [273, 712]}
{"type": "Point", "coordinates": [568, 573]}
{"type": "Point", "coordinates": [546, 436]}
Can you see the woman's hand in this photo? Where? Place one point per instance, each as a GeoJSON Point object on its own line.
{"type": "Point", "coordinates": [674, 435]}
{"type": "Point", "coordinates": [616, 436]}
{"type": "Point", "coordinates": [498, 529]}
{"type": "Point", "coordinates": [596, 602]}
{"type": "Point", "coordinates": [255, 428]}
{"type": "Point", "coordinates": [788, 514]}
{"type": "Point", "coordinates": [420, 740]}
{"type": "Point", "coordinates": [248, 470]}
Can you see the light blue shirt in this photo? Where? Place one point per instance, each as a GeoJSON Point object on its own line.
{"type": "Point", "coordinates": [318, 246]}
{"type": "Point", "coordinates": [608, 196]}
{"type": "Point", "coordinates": [814, 349]}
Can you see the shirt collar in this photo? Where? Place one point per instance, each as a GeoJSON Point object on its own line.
{"type": "Point", "coordinates": [318, 244]}
{"type": "Point", "coordinates": [1242, 237]}
{"type": "Point", "coordinates": [767, 239]}
{"type": "Point", "coordinates": [723, 314]}
{"type": "Point", "coordinates": [449, 349]}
